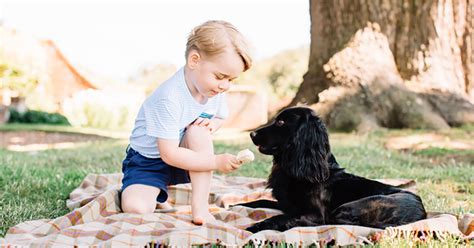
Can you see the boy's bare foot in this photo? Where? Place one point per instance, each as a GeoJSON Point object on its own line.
{"type": "Point", "coordinates": [203, 218]}
{"type": "Point", "coordinates": [164, 207]}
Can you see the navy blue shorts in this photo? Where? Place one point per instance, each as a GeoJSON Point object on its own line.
{"type": "Point", "coordinates": [138, 169]}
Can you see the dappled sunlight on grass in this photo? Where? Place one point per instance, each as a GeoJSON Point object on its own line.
{"type": "Point", "coordinates": [109, 133]}
{"type": "Point", "coordinates": [42, 147]}
{"type": "Point", "coordinates": [428, 140]}
{"type": "Point", "coordinates": [33, 141]}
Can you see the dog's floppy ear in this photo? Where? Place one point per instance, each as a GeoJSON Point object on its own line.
{"type": "Point", "coordinates": [308, 151]}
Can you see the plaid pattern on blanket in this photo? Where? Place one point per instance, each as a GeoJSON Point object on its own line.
{"type": "Point", "coordinates": [96, 219]}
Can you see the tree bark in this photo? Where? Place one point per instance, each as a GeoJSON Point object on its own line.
{"type": "Point", "coordinates": [390, 63]}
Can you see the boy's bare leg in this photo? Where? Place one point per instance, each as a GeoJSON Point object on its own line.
{"type": "Point", "coordinates": [164, 205]}
{"type": "Point", "coordinates": [139, 199]}
{"type": "Point", "coordinates": [201, 183]}
{"type": "Point", "coordinates": [199, 139]}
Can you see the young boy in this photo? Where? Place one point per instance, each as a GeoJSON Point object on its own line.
{"type": "Point", "coordinates": [172, 134]}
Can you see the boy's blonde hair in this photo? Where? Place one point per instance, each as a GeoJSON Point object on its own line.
{"type": "Point", "coordinates": [212, 37]}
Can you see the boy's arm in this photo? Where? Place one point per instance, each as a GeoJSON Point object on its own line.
{"type": "Point", "coordinates": [187, 159]}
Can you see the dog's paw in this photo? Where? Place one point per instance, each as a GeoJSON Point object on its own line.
{"type": "Point", "coordinates": [234, 205]}
{"type": "Point", "coordinates": [253, 229]}
{"type": "Point", "coordinates": [259, 226]}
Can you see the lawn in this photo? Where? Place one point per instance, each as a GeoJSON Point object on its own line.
{"type": "Point", "coordinates": [36, 184]}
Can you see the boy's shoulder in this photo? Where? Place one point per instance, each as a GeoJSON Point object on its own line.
{"type": "Point", "coordinates": [175, 80]}
{"type": "Point", "coordinates": [171, 89]}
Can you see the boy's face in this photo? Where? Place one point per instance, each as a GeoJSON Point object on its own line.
{"type": "Point", "coordinates": [214, 75]}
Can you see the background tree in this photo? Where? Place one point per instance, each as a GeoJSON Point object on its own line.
{"type": "Point", "coordinates": [390, 63]}
{"type": "Point", "coordinates": [15, 80]}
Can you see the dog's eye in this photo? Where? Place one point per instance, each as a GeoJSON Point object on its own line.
{"type": "Point", "coordinates": [279, 123]}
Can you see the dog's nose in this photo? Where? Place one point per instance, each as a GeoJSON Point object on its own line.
{"type": "Point", "coordinates": [253, 134]}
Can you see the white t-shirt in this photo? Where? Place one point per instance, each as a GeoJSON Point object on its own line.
{"type": "Point", "coordinates": [168, 111]}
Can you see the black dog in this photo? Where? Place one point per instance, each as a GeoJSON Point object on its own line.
{"type": "Point", "coordinates": [310, 187]}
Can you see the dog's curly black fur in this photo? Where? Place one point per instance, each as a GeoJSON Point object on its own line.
{"type": "Point", "coordinates": [310, 187]}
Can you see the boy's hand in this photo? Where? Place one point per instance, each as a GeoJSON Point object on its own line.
{"type": "Point", "coordinates": [209, 124]}
{"type": "Point", "coordinates": [227, 162]}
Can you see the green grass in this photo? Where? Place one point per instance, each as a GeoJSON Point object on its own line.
{"type": "Point", "coordinates": [35, 185]}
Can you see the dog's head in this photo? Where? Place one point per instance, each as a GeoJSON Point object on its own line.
{"type": "Point", "coordinates": [299, 142]}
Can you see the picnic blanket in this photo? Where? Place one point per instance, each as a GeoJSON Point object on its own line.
{"type": "Point", "coordinates": [96, 219]}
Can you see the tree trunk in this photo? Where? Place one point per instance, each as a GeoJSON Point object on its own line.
{"type": "Point", "coordinates": [391, 63]}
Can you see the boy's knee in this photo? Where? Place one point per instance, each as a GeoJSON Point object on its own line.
{"type": "Point", "coordinates": [139, 199]}
{"type": "Point", "coordinates": [197, 132]}
{"type": "Point", "coordinates": [198, 138]}
{"type": "Point", "coordinates": [134, 207]}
